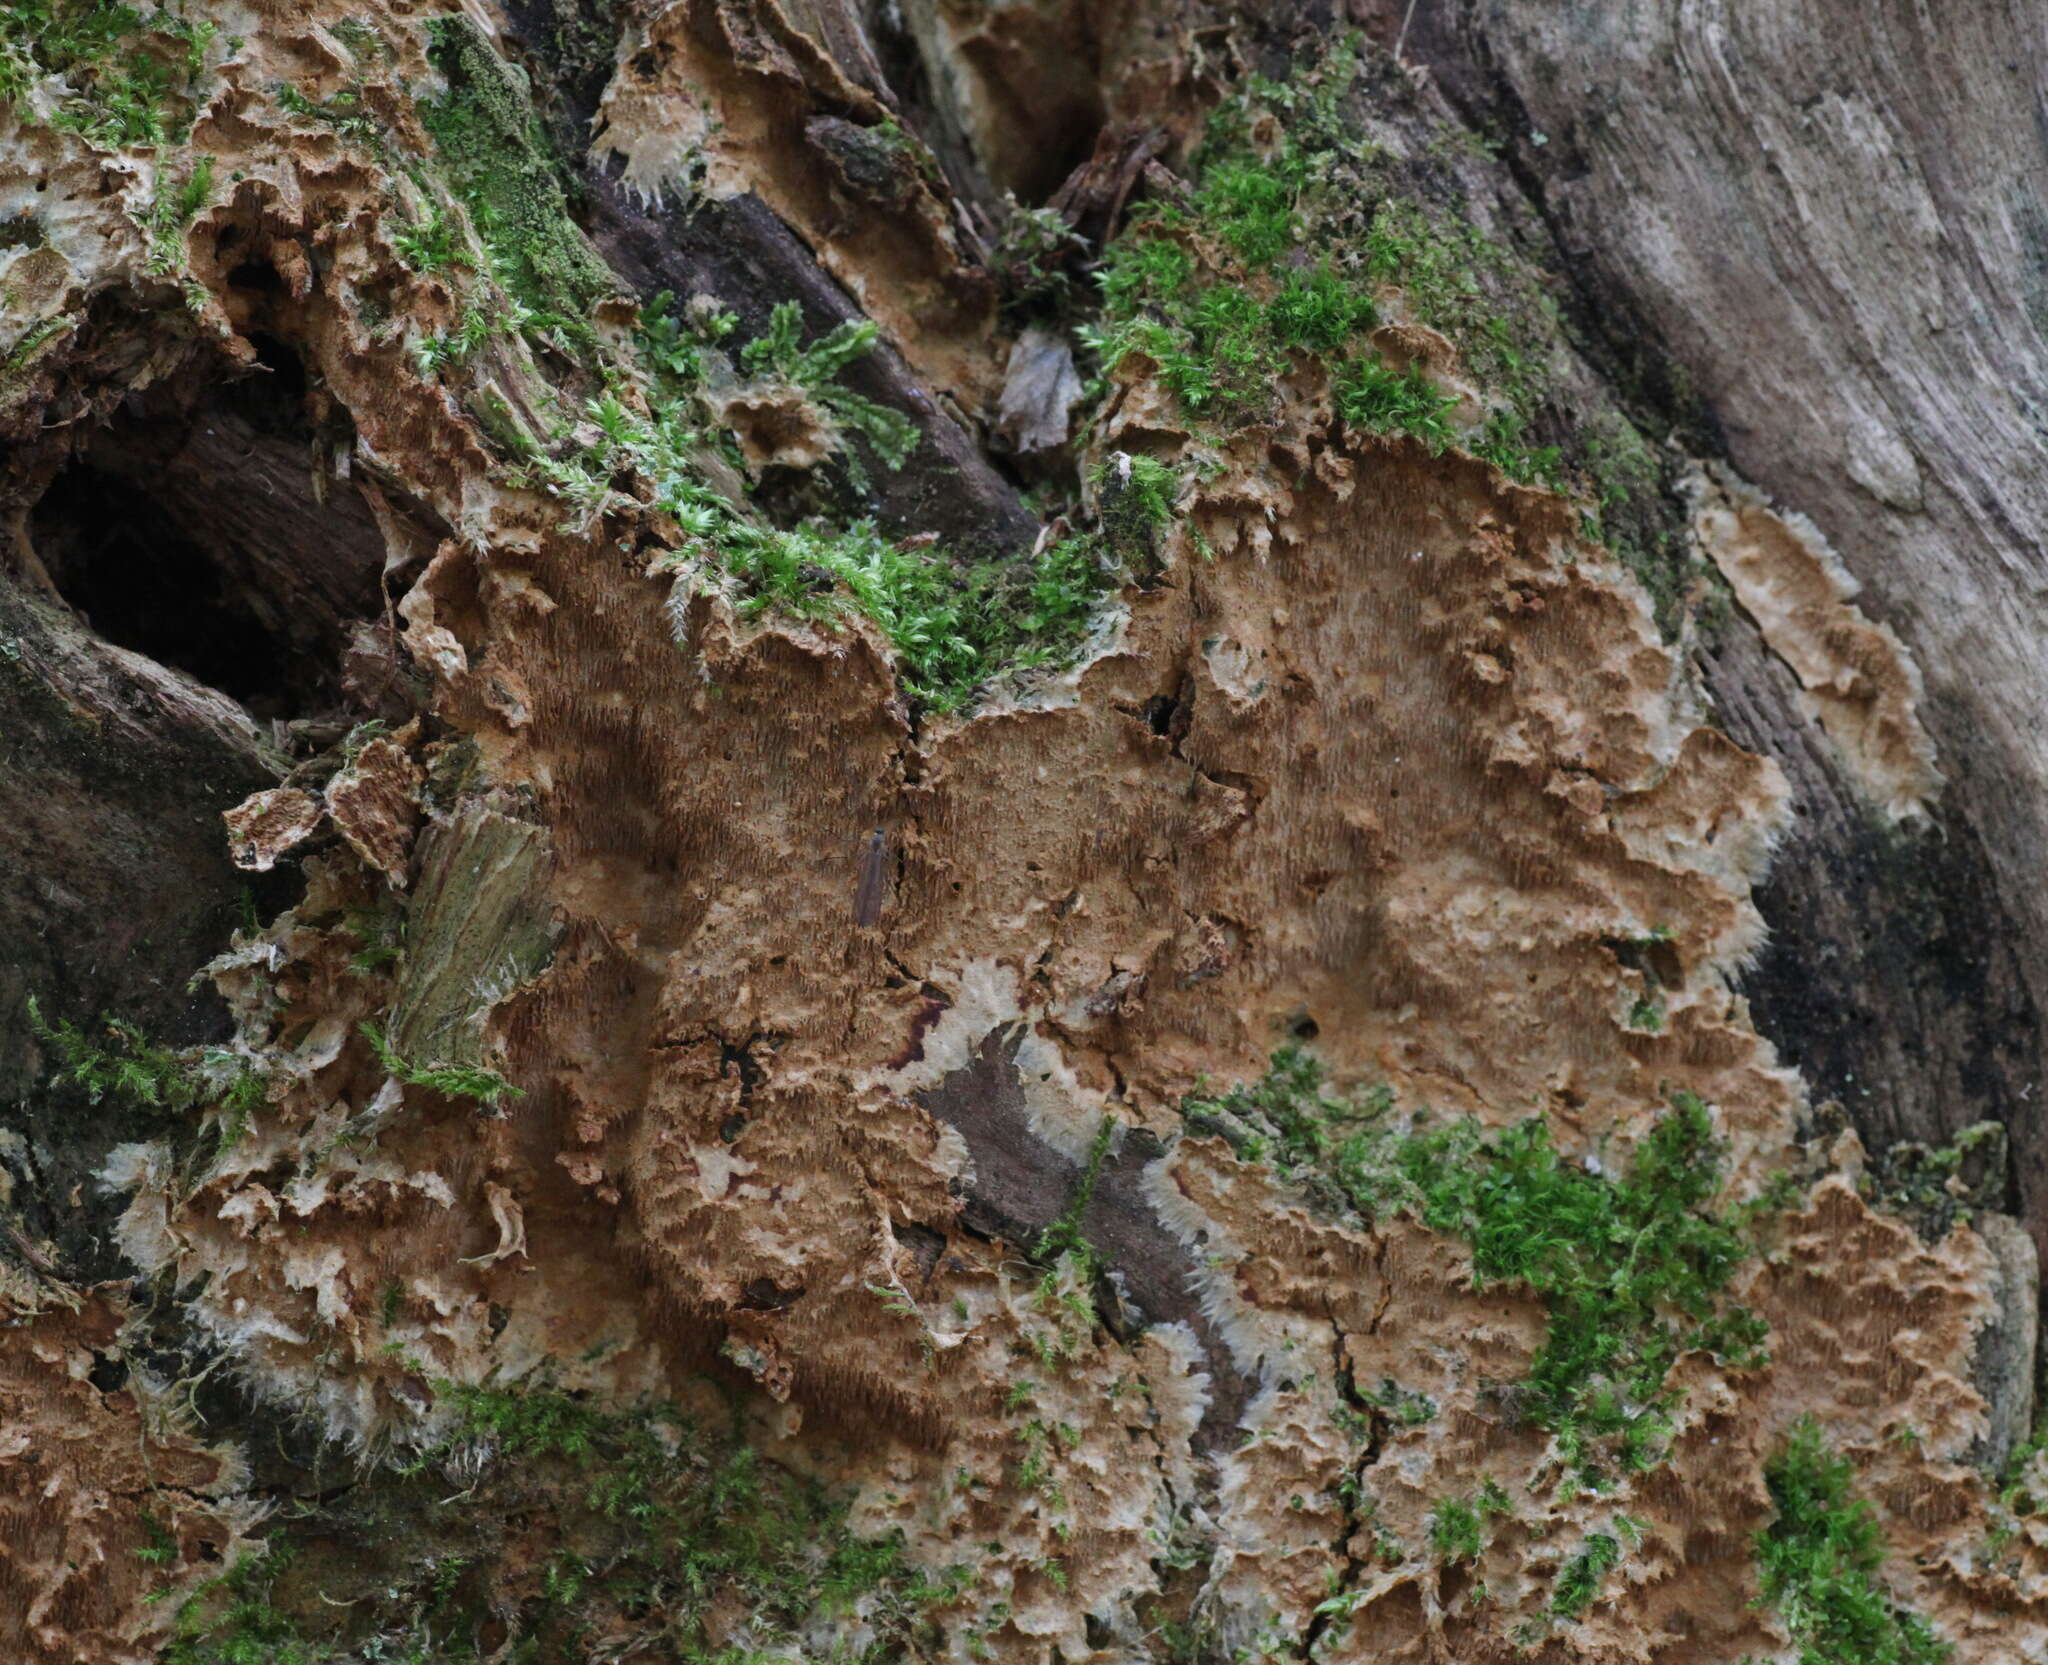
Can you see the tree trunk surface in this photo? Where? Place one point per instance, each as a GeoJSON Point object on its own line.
{"type": "Point", "coordinates": [1016, 833]}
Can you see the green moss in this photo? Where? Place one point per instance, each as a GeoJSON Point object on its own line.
{"type": "Point", "coordinates": [129, 75]}
{"type": "Point", "coordinates": [1222, 343]}
{"type": "Point", "coordinates": [779, 352]}
{"type": "Point", "coordinates": [433, 245]}
{"type": "Point", "coordinates": [175, 208]}
{"type": "Point", "coordinates": [487, 1087]}
{"type": "Point", "coordinates": [1209, 289]}
{"type": "Point", "coordinates": [953, 628]}
{"type": "Point", "coordinates": [31, 340]}
{"type": "Point", "coordinates": [1215, 290]}
{"type": "Point", "coordinates": [361, 38]}
{"type": "Point", "coordinates": [1137, 496]}
{"type": "Point", "coordinates": [1458, 1526]}
{"type": "Point", "coordinates": [346, 112]}
{"type": "Point", "coordinates": [128, 1070]}
{"type": "Point", "coordinates": [1636, 513]}
{"type": "Point", "coordinates": [1579, 1580]}
{"type": "Point", "coordinates": [229, 1620]}
{"type": "Point", "coordinates": [500, 165]}
{"type": "Point", "coordinates": [1064, 1236]}
{"type": "Point", "coordinates": [574, 1526]}
{"type": "Point", "coordinates": [671, 340]}
{"type": "Point", "coordinates": [1630, 1270]}
{"type": "Point", "coordinates": [1032, 261]}
{"type": "Point", "coordinates": [1383, 401]}
{"type": "Point", "coordinates": [1818, 1563]}
{"type": "Point", "coordinates": [1938, 1187]}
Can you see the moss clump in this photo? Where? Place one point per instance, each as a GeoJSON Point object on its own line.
{"type": "Point", "coordinates": [1211, 290]}
{"type": "Point", "coordinates": [1222, 343]}
{"type": "Point", "coordinates": [1033, 262]}
{"type": "Point", "coordinates": [1458, 1526]}
{"type": "Point", "coordinates": [1631, 1270]}
{"type": "Point", "coordinates": [346, 113]}
{"type": "Point", "coordinates": [1941, 1186]}
{"type": "Point", "coordinates": [175, 208]}
{"type": "Point", "coordinates": [129, 1070]}
{"type": "Point", "coordinates": [1441, 264]}
{"type": "Point", "coordinates": [954, 627]}
{"type": "Point", "coordinates": [1579, 1580]}
{"type": "Point", "coordinates": [1818, 1564]}
{"type": "Point", "coordinates": [1292, 227]}
{"type": "Point", "coordinates": [584, 1533]}
{"type": "Point", "coordinates": [129, 76]}
{"type": "Point", "coordinates": [500, 166]}
{"type": "Point", "coordinates": [779, 352]}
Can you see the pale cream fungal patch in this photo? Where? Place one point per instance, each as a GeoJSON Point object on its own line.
{"type": "Point", "coordinates": [1859, 682]}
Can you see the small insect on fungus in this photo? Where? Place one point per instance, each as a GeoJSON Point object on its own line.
{"type": "Point", "coordinates": [867, 900]}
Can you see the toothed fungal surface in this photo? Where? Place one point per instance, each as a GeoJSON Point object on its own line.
{"type": "Point", "coordinates": [678, 1004]}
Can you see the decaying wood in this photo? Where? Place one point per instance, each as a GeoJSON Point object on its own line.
{"type": "Point", "coordinates": [844, 1051]}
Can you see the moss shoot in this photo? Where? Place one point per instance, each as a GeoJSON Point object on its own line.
{"type": "Point", "coordinates": [126, 1069]}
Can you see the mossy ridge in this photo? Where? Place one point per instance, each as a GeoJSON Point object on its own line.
{"type": "Point", "coordinates": [955, 628]}
{"type": "Point", "coordinates": [500, 165]}
{"type": "Point", "coordinates": [1218, 292]}
{"type": "Point", "coordinates": [1631, 1270]}
{"type": "Point", "coordinates": [1819, 1559]}
{"type": "Point", "coordinates": [1214, 290]}
{"type": "Point", "coordinates": [131, 74]}
{"type": "Point", "coordinates": [685, 1541]}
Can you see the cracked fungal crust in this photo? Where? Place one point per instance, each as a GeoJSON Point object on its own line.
{"type": "Point", "coordinates": [1438, 780]}
{"type": "Point", "coordinates": [103, 1493]}
{"type": "Point", "coordinates": [1390, 753]}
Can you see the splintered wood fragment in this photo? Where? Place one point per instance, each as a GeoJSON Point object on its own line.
{"type": "Point", "coordinates": [867, 900]}
{"type": "Point", "coordinates": [478, 928]}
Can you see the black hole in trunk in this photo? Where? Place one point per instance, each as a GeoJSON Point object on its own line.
{"type": "Point", "coordinates": [273, 401]}
{"type": "Point", "coordinates": [144, 586]}
{"type": "Point", "coordinates": [212, 528]}
{"type": "Point", "coordinates": [257, 275]}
